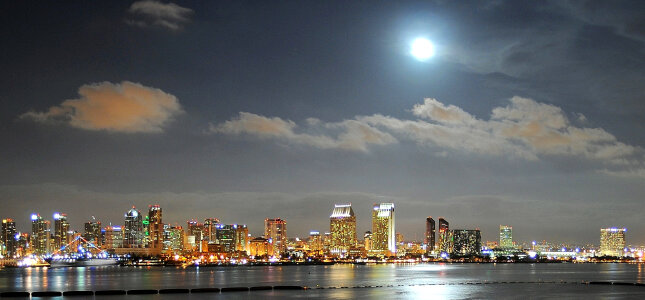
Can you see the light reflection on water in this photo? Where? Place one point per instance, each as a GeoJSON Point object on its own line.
{"type": "Point", "coordinates": [413, 281]}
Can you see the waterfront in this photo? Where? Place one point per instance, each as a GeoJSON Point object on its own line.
{"type": "Point", "coordinates": [442, 280]}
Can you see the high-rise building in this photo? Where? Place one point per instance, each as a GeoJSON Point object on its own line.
{"type": "Point", "coordinates": [275, 230]}
{"type": "Point", "coordinates": [93, 233]}
{"type": "Point", "coordinates": [367, 239]}
{"type": "Point", "coordinates": [226, 237]}
{"type": "Point", "coordinates": [383, 231]}
{"type": "Point", "coordinates": [612, 241]}
{"type": "Point", "coordinates": [445, 236]}
{"type": "Point", "coordinates": [315, 242]}
{"type": "Point", "coordinates": [210, 229]}
{"type": "Point", "coordinates": [113, 237]}
{"type": "Point", "coordinates": [505, 236]}
{"type": "Point", "coordinates": [155, 227]}
{"type": "Point", "coordinates": [196, 229]}
{"type": "Point", "coordinates": [430, 234]}
{"type": "Point", "coordinates": [173, 239]}
{"type": "Point", "coordinates": [9, 237]}
{"type": "Point", "coordinates": [260, 247]}
{"type": "Point", "coordinates": [61, 229]}
{"type": "Point", "coordinates": [466, 242]}
{"type": "Point", "coordinates": [342, 225]}
{"type": "Point", "coordinates": [241, 238]}
{"type": "Point", "coordinates": [40, 234]}
{"type": "Point", "coordinates": [133, 231]}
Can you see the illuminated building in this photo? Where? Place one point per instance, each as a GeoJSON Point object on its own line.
{"type": "Point", "coordinates": [430, 234]}
{"type": "Point", "coordinates": [226, 237]}
{"type": "Point", "coordinates": [383, 231]}
{"type": "Point", "coordinates": [260, 247]}
{"type": "Point", "coordinates": [368, 240]}
{"type": "Point", "coordinates": [155, 227]}
{"type": "Point", "coordinates": [275, 230]}
{"type": "Point", "coordinates": [9, 237]}
{"type": "Point", "coordinates": [315, 242]}
{"type": "Point", "coordinates": [445, 237]}
{"type": "Point", "coordinates": [612, 241]}
{"type": "Point", "coordinates": [40, 235]}
{"type": "Point", "coordinates": [210, 229]}
{"type": "Point", "coordinates": [133, 232]}
{"type": "Point", "coordinates": [342, 225]}
{"type": "Point", "coordinates": [466, 242]}
{"type": "Point", "coordinates": [241, 238]}
{"type": "Point", "coordinates": [61, 228]}
{"type": "Point", "coordinates": [196, 230]}
{"type": "Point", "coordinates": [505, 236]}
{"type": "Point", "coordinates": [173, 239]}
{"type": "Point", "coordinates": [93, 232]}
{"type": "Point", "coordinates": [113, 237]}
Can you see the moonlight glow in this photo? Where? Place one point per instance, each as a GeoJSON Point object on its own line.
{"type": "Point", "coordinates": [422, 49]}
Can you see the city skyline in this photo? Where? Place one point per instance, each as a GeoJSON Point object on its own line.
{"type": "Point", "coordinates": [484, 112]}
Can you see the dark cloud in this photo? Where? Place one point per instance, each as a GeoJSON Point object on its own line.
{"type": "Point", "coordinates": [151, 13]}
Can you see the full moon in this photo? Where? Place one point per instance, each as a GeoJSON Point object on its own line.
{"type": "Point", "coordinates": [422, 49]}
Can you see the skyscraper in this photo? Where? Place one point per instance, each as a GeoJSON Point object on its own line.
{"type": "Point", "coordinates": [383, 231]}
{"type": "Point", "coordinates": [226, 237]}
{"type": "Point", "coordinates": [61, 228]}
{"type": "Point", "coordinates": [315, 241]}
{"type": "Point", "coordinates": [113, 237]}
{"type": "Point", "coordinates": [241, 238]}
{"type": "Point", "coordinates": [173, 239]}
{"type": "Point", "coordinates": [430, 234]}
{"type": "Point", "coordinates": [210, 229]}
{"type": "Point", "coordinates": [505, 236]}
{"type": "Point", "coordinates": [93, 232]}
{"type": "Point", "coordinates": [342, 224]}
{"type": "Point", "coordinates": [275, 230]}
{"type": "Point", "coordinates": [612, 241]}
{"type": "Point", "coordinates": [40, 233]}
{"type": "Point", "coordinates": [155, 227]}
{"type": "Point", "coordinates": [9, 237]}
{"type": "Point", "coordinates": [133, 234]}
{"type": "Point", "coordinates": [445, 237]}
{"type": "Point", "coordinates": [466, 242]}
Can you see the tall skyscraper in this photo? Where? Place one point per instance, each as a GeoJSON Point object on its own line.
{"type": "Point", "coordinates": [383, 231]}
{"type": "Point", "coordinates": [505, 236]}
{"type": "Point", "coordinates": [430, 234]}
{"type": "Point", "coordinates": [445, 236]}
{"type": "Point", "coordinates": [40, 234]}
{"type": "Point", "coordinates": [196, 229]}
{"type": "Point", "coordinates": [612, 241]}
{"type": "Point", "coordinates": [61, 229]}
{"type": "Point", "coordinates": [466, 242]}
{"type": "Point", "coordinates": [93, 232]}
{"type": "Point", "coordinates": [342, 225]}
{"type": "Point", "coordinates": [226, 237]}
{"type": "Point", "coordinates": [210, 229]}
{"type": "Point", "coordinates": [241, 238]}
{"type": "Point", "coordinates": [133, 233]}
{"type": "Point", "coordinates": [275, 230]}
{"type": "Point", "coordinates": [155, 227]}
{"type": "Point", "coordinates": [9, 237]}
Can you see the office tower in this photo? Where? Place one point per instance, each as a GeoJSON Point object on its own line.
{"type": "Point", "coordinates": [368, 240]}
{"type": "Point", "coordinates": [226, 237]}
{"type": "Point", "coordinates": [61, 228]}
{"type": "Point", "coordinates": [155, 227]}
{"type": "Point", "coordinates": [315, 242]}
{"type": "Point", "coordinates": [445, 237]}
{"type": "Point", "coordinates": [342, 225]}
{"type": "Point", "coordinates": [612, 241]}
{"type": "Point", "coordinates": [133, 231]}
{"type": "Point", "coordinates": [241, 238]}
{"type": "Point", "coordinates": [383, 231]}
{"type": "Point", "coordinates": [40, 234]}
{"type": "Point", "coordinates": [93, 233]}
{"type": "Point", "coordinates": [173, 239]}
{"type": "Point", "coordinates": [196, 230]}
{"type": "Point", "coordinates": [210, 229]}
{"type": "Point", "coordinates": [275, 230]}
{"type": "Point", "coordinates": [466, 242]}
{"type": "Point", "coordinates": [430, 234]}
{"type": "Point", "coordinates": [9, 237]}
{"type": "Point", "coordinates": [505, 236]}
{"type": "Point", "coordinates": [260, 247]}
{"type": "Point", "coordinates": [113, 237]}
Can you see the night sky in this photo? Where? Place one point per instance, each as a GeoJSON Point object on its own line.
{"type": "Point", "coordinates": [530, 114]}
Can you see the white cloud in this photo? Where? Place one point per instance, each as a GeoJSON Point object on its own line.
{"type": "Point", "coordinates": [119, 107]}
{"type": "Point", "coordinates": [523, 129]}
{"type": "Point", "coordinates": [150, 13]}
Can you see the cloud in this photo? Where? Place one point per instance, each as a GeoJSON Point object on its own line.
{"type": "Point", "coordinates": [523, 129]}
{"type": "Point", "coordinates": [150, 13]}
{"type": "Point", "coordinates": [118, 107]}
{"type": "Point", "coordinates": [351, 134]}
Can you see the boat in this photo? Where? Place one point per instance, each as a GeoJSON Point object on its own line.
{"type": "Point", "coordinates": [82, 262]}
